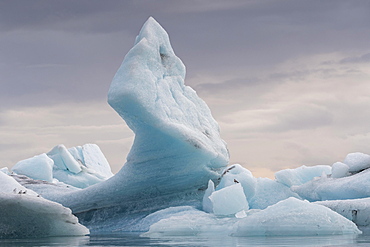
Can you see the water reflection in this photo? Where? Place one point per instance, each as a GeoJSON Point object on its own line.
{"type": "Point", "coordinates": [214, 241]}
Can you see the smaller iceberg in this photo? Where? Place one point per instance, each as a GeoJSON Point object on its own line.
{"type": "Point", "coordinates": [80, 166]}
{"type": "Point", "coordinates": [294, 217]}
{"type": "Point", "coordinates": [24, 214]}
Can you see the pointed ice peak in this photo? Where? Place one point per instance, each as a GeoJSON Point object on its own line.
{"type": "Point", "coordinates": [151, 31]}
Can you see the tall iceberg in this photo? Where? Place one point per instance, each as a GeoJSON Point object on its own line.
{"type": "Point", "coordinates": [177, 147]}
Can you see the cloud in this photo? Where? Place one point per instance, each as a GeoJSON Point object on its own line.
{"type": "Point", "coordinates": [356, 59]}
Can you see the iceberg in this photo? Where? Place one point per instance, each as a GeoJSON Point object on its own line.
{"type": "Point", "coordinates": [78, 166]}
{"type": "Point", "coordinates": [24, 214]}
{"type": "Point", "coordinates": [294, 217]}
{"type": "Point", "coordinates": [177, 147]}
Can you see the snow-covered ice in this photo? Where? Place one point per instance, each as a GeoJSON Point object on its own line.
{"type": "Point", "coordinates": [339, 170]}
{"type": "Point", "coordinates": [357, 162]}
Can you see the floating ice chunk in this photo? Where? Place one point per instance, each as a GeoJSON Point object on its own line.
{"type": "Point", "coordinates": [39, 167]}
{"type": "Point", "coordinates": [357, 162]}
{"type": "Point", "coordinates": [27, 216]}
{"type": "Point", "coordinates": [207, 203]}
{"type": "Point", "coordinates": [229, 200]}
{"type": "Point", "coordinates": [356, 210]}
{"type": "Point", "coordinates": [64, 160]}
{"type": "Point", "coordinates": [339, 170]}
{"type": "Point", "coordinates": [24, 214]}
{"type": "Point", "coordinates": [351, 187]}
{"type": "Point", "coordinates": [293, 217]}
{"type": "Point", "coordinates": [237, 173]}
{"type": "Point", "coordinates": [269, 192]}
{"type": "Point", "coordinates": [301, 175]}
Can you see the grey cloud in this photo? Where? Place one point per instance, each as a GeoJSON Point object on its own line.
{"type": "Point", "coordinates": [356, 59]}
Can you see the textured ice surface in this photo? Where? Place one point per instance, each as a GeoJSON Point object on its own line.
{"type": "Point", "coordinates": [38, 167]}
{"type": "Point", "coordinates": [24, 214]}
{"type": "Point", "coordinates": [326, 188]}
{"type": "Point", "coordinates": [357, 162]}
{"type": "Point", "coordinates": [356, 210]}
{"type": "Point", "coordinates": [295, 218]}
{"type": "Point", "coordinates": [301, 175]}
{"type": "Point", "coordinates": [229, 200]}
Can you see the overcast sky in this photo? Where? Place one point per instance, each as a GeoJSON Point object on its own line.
{"type": "Point", "coordinates": [288, 81]}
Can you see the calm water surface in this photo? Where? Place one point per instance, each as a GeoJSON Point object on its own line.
{"type": "Point", "coordinates": [136, 240]}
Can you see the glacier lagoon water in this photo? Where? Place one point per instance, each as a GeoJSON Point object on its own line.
{"type": "Point", "coordinates": [132, 239]}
